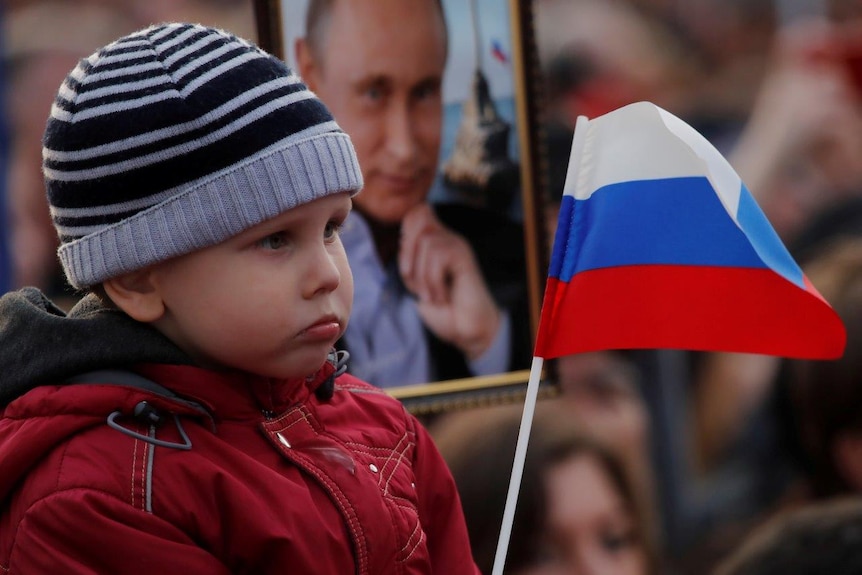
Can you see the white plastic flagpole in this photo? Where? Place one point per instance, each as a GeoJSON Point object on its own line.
{"type": "Point", "coordinates": [578, 140]}
{"type": "Point", "coordinates": [518, 467]}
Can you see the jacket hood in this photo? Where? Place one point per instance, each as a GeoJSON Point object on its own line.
{"type": "Point", "coordinates": [40, 344]}
{"type": "Point", "coordinates": [42, 349]}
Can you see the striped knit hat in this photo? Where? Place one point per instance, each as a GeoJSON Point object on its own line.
{"type": "Point", "coordinates": [178, 137]}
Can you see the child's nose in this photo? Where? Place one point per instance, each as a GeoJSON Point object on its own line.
{"type": "Point", "coordinates": [322, 275]}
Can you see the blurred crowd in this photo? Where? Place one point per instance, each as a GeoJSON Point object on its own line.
{"type": "Point", "coordinates": [40, 46]}
{"type": "Point", "coordinates": [647, 461]}
{"type": "Point", "coordinates": [776, 86]}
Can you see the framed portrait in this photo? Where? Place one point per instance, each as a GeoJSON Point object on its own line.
{"type": "Point", "coordinates": [490, 157]}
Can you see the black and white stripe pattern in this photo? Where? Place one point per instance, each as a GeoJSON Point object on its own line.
{"type": "Point", "coordinates": [177, 137]}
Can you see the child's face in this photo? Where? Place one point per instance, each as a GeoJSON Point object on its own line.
{"type": "Point", "coordinates": [270, 301]}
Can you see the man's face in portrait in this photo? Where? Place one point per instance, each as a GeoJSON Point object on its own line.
{"type": "Point", "coordinates": [378, 65]}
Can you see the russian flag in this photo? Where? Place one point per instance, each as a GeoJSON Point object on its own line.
{"type": "Point", "coordinates": [498, 52]}
{"type": "Point", "coordinates": [660, 245]}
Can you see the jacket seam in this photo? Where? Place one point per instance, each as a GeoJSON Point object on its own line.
{"type": "Point", "coordinates": [410, 539]}
{"type": "Point", "coordinates": [139, 477]}
{"type": "Point", "coordinates": [344, 502]}
{"type": "Point", "coordinates": [62, 465]}
{"type": "Point", "coordinates": [289, 413]}
{"type": "Point", "coordinates": [358, 389]}
{"type": "Point", "coordinates": [398, 460]}
{"type": "Point", "coordinates": [134, 466]}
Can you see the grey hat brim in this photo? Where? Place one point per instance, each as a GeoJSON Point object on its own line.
{"type": "Point", "coordinates": [211, 210]}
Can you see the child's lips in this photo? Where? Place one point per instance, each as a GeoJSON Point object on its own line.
{"type": "Point", "coordinates": [325, 329]}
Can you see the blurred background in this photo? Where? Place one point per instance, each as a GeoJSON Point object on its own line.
{"type": "Point", "coordinates": [41, 42]}
{"type": "Point", "coordinates": [710, 445]}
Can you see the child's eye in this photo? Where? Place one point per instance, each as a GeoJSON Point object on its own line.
{"type": "Point", "coordinates": [276, 241]}
{"type": "Point", "coordinates": [332, 230]}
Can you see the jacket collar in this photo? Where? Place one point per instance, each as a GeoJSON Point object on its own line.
{"type": "Point", "coordinates": [233, 395]}
{"type": "Point", "coordinates": [41, 345]}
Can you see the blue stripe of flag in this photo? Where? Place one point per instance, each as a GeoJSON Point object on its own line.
{"type": "Point", "coordinates": [677, 221]}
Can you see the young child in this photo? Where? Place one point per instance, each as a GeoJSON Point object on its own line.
{"type": "Point", "coordinates": [188, 415]}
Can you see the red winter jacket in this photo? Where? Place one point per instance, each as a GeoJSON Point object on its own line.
{"type": "Point", "coordinates": [236, 475]}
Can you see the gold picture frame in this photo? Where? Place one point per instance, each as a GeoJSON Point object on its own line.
{"type": "Point", "coordinates": [281, 21]}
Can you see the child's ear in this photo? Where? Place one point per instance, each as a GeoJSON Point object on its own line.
{"type": "Point", "coordinates": [135, 293]}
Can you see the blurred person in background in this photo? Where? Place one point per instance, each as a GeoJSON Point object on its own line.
{"type": "Point", "coordinates": [602, 391]}
{"type": "Point", "coordinates": [578, 511]}
{"type": "Point", "coordinates": [733, 40]}
{"type": "Point", "coordinates": [801, 148]}
{"type": "Point", "coordinates": [806, 430]}
{"type": "Point", "coordinates": [785, 111]}
{"type": "Point", "coordinates": [825, 397]}
{"type": "Point", "coordinates": [599, 55]}
{"type": "Point", "coordinates": [820, 538]}
{"type": "Point", "coordinates": [41, 47]}
{"type": "Point", "coordinates": [800, 155]}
